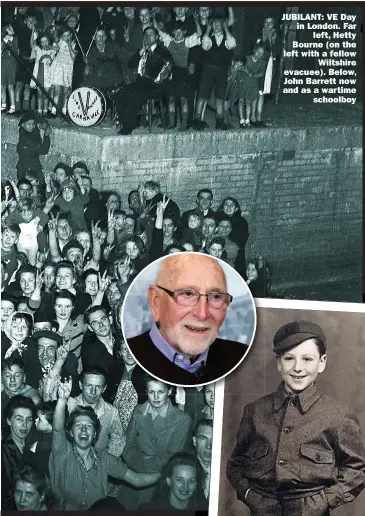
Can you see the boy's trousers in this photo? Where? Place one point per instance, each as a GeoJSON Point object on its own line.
{"type": "Point", "coordinates": [313, 505]}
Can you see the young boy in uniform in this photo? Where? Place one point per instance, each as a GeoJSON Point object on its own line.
{"type": "Point", "coordinates": [298, 452]}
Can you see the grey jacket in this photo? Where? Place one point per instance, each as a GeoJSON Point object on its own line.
{"type": "Point", "coordinates": [294, 448]}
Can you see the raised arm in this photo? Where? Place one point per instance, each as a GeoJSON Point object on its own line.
{"type": "Point", "coordinates": [96, 245]}
{"type": "Point", "coordinates": [104, 282]}
{"type": "Point", "coordinates": [52, 380]}
{"type": "Point", "coordinates": [58, 431]}
{"type": "Point", "coordinates": [230, 20]}
{"type": "Point", "coordinates": [206, 41]}
{"type": "Point", "coordinates": [111, 228]}
{"type": "Point", "coordinates": [230, 40]}
{"type": "Point", "coordinates": [35, 298]}
{"type": "Point", "coordinates": [15, 189]}
{"type": "Point", "coordinates": [156, 249]}
{"type": "Point", "coordinates": [52, 238]}
{"type": "Point", "coordinates": [50, 202]}
{"type": "Point", "coordinates": [43, 148]}
{"type": "Point", "coordinates": [164, 37]}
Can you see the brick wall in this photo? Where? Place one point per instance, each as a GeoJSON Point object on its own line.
{"type": "Point", "coordinates": [300, 189]}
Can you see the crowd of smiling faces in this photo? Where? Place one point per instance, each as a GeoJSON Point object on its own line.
{"type": "Point", "coordinates": [54, 293]}
{"type": "Point", "coordinates": [122, 26]}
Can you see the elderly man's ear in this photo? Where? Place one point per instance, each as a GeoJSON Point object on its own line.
{"type": "Point", "coordinates": [154, 300]}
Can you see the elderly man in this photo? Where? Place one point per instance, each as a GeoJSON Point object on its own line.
{"type": "Point", "coordinates": [188, 303]}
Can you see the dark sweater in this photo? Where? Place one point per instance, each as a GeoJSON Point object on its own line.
{"type": "Point", "coordinates": [30, 146]}
{"type": "Point", "coordinates": [223, 356]}
{"type": "Point", "coordinates": [218, 56]}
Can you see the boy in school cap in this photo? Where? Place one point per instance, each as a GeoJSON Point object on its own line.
{"type": "Point", "coordinates": [298, 452]}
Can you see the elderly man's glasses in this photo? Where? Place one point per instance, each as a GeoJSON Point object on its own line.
{"type": "Point", "coordinates": [189, 297]}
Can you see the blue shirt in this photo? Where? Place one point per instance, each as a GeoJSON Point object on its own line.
{"type": "Point", "coordinates": [176, 358]}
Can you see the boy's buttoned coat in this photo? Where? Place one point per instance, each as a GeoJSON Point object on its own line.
{"type": "Point", "coordinates": [299, 455]}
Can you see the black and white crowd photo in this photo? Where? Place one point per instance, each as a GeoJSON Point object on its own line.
{"type": "Point", "coordinates": [129, 133]}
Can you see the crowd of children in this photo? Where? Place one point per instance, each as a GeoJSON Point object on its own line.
{"type": "Point", "coordinates": [74, 402]}
{"type": "Point", "coordinates": [69, 253]}
{"type": "Point", "coordinates": [49, 51]}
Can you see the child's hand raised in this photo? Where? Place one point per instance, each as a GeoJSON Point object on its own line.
{"type": "Point", "coordinates": [50, 201]}
{"type": "Point", "coordinates": [47, 130]}
{"type": "Point", "coordinates": [124, 269]}
{"type": "Point", "coordinates": [161, 206]}
{"type": "Point", "coordinates": [63, 351]}
{"type": "Point", "coordinates": [107, 251]}
{"type": "Point", "coordinates": [64, 389]}
{"type": "Point", "coordinates": [104, 282]}
{"type": "Point", "coordinates": [53, 221]}
{"type": "Point", "coordinates": [96, 231]}
{"type": "Point", "coordinates": [111, 219]}
{"type": "Point", "coordinates": [39, 280]}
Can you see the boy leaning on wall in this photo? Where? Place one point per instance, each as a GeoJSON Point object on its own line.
{"type": "Point", "coordinates": [298, 452]}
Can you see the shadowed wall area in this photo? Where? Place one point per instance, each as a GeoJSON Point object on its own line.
{"type": "Point", "coordinates": [299, 188]}
{"type": "Point", "coordinates": [343, 379]}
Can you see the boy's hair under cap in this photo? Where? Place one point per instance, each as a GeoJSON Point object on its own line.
{"type": "Point", "coordinates": [295, 333]}
{"type": "Point", "coordinates": [30, 115]}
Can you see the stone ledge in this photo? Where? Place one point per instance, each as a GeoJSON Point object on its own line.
{"type": "Point", "coordinates": [92, 144]}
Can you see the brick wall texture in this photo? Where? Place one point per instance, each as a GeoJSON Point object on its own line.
{"type": "Point", "coordinates": [300, 189]}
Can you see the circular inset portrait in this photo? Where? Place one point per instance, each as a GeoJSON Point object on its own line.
{"type": "Point", "coordinates": [188, 319]}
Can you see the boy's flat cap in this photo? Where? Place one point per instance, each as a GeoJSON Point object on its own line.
{"type": "Point", "coordinates": [69, 183]}
{"type": "Point", "coordinates": [295, 333]}
{"type": "Point", "coordinates": [29, 115]}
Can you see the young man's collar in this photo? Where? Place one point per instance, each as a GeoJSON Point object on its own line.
{"type": "Point", "coordinates": [99, 407]}
{"type": "Point", "coordinates": [306, 398]}
{"type": "Point", "coordinates": [154, 413]}
{"type": "Point", "coordinates": [204, 465]}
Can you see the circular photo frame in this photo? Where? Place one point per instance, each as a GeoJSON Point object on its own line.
{"type": "Point", "coordinates": [188, 319]}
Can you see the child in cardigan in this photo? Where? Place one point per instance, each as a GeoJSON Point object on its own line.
{"type": "Point", "coordinates": [298, 451]}
{"type": "Point", "coordinates": [9, 44]}
{"type": "Point", "coordinates": [43, 53]}
{"type": "Point", "coordinates": [31, 221]}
